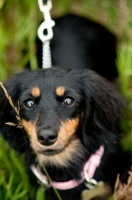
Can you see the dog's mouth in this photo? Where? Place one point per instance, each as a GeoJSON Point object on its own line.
{"type": "Point", "coordinates": [57, 148]}
{"type": "Point", "coordinates": [61, 155]}
{"type": "Point", "coordinates": [50, 152]}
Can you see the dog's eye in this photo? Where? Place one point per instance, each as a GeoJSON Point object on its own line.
{"type": "Point", "coordinates": [68, 101]}
{"type": "Point", "coordinates": [29, 103]}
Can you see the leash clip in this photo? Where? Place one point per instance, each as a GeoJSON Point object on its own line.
{"type": "Point", "coordinates": [45, 32]}
{"type": "Point", "coordinates": [90, 183]}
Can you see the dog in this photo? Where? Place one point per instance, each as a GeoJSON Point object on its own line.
{"type": "Point", "coordinates": [67, 120]}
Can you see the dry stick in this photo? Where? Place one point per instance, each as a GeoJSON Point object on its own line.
{"type": "Point", "coordinates": [12, 105]}
{"type": "Point", "coordinates": [123, 191]}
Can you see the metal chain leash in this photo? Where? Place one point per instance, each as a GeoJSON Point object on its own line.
{"type": "Point", "coordinates": [45, 32]}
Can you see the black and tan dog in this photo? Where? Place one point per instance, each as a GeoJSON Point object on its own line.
{"type": "Point", "coordinates": [69, 124]}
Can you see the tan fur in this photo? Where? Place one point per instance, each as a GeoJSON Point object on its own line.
{"type": "Point", "coordinates": [60, 91]}
{"type": "Point", "coordinates": [73, 149]}
{"type": "Point", "coordinates": [28, 126]}
{"type": "Point", "coordinates": [31, 132]}
{"type": "Point", "coordinates": [70, 126]}
{"type": "Point", "coordinates": [35, 92]}
{"type": "Point", "coordinates": [67, 142]}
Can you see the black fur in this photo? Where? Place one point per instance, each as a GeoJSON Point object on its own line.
{"type": "Point", "coordinates": [81, 43]}
{"type": "Point", "coordinates": [93, 96]}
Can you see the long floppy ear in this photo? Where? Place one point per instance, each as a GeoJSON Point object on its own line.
{"type": "Point", "coordinates": [104, 105]}
{"type": "Point", "coordinates": [13, 135]}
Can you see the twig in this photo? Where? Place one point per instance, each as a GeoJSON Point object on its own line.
{"type": "Point", "coordinates": [123, 191]}
{"type": "Point", "coordinates": [19, 125]}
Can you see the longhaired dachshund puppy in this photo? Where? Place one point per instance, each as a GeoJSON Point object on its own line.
{"type": "Point", "coordinates": [67, 123]}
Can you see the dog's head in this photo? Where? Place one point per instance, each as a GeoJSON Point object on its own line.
{"type": "Point", "coordinates": [62, 112]}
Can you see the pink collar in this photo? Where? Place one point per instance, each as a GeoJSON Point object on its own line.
{"type": "Point", "coordinates": [87, 173]}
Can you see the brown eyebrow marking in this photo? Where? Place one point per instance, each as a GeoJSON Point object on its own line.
{"type": "Point", "coordinates": [60, 90]}
{"type": "Point", "coordinates": [35, 92]}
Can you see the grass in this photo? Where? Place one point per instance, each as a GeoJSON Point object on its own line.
{"type": "Point", "coordinates": [125, 71]}
{"type": "Point", "coordinates": [14, 183]}
{"type": "Point", "coordinates": [18, 26]}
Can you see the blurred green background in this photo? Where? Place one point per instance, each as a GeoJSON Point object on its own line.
{"type": "Point", "coordinates": [19, 21]}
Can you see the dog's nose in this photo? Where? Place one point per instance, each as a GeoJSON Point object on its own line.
{"type": "Point", "coordinates": [47, 137]}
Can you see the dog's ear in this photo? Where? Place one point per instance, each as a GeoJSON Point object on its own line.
{"type": "Point", "coordinates": [12, 134]}
{"type": "Point", "coordinates": [103, 102]}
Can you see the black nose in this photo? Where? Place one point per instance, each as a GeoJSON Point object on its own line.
{"type": "Point", "coordinates": [47, 137]}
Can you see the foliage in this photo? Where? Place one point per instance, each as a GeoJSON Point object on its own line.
{"type": "Point", "coordinates": [19, 21]}
{"type": "Point", "coordinates": [14, 183]}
